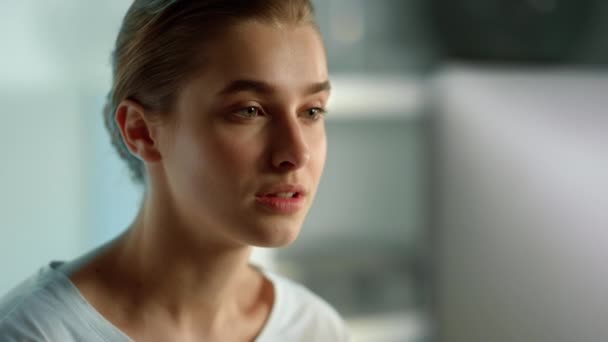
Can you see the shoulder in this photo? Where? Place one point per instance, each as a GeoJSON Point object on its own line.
{"type": "Point", "coordinates": [35, 310]}
{"type": "Point", "coordinates": [300, 313]}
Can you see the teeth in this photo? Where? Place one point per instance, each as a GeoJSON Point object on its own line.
{"type": "Point", "coordinates": [285, 194]}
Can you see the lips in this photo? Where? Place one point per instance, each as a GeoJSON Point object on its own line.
{"type": "Point", "coordinates": [282, 199]}
{"type": "Point", "coordinates": [283, 191]}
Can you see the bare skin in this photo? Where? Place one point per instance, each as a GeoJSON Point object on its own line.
{"type": "Point", "coordinates": [181, 272]}
{"type": "Point", "coordinates": [142, 305]}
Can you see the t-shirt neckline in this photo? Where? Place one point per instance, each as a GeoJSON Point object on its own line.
{"type": "Point", "coordinates": [109, 332]}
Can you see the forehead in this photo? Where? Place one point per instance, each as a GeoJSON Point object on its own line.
{"type": "Point", "coordinates": [286, 56]}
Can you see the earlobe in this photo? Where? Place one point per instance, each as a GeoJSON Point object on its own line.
{"type": "Point", "coordinates": [135, 130]}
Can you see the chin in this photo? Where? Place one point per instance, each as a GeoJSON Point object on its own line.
{"type": "Point", "coordinates": [274, 234]}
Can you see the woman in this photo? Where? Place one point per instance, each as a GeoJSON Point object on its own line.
{"type": "Point", "coordinates": [217, 106]}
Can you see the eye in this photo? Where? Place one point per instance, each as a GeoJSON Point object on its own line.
{"type": "Point", "coordinates": [315, 113]}
{"type": "Point", "coordinates": [248, 112]}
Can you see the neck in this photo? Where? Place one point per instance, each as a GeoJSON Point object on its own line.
{"type": "Point", "coordinates": [181, 277]}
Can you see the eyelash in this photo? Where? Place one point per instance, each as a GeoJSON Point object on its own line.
{"type": "Point", "coordinates": [318, 112]}
{"type": "Point", "coordinates": [246, 113]}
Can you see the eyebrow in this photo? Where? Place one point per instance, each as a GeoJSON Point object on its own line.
{"type": "Point", "coordinates": [262, 87]}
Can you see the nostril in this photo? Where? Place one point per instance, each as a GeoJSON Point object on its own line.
{"type": "Point", "coordinates": [286, 164]}
{"type": "Point", "coordinates": [289, 159]}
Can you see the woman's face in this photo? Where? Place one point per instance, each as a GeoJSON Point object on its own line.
{"type": "Point", "coordinates": [246, 147]}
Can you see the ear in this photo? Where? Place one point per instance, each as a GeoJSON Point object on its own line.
{"type": "Point", "coordinates": [136, 131]}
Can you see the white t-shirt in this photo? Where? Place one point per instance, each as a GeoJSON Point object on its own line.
{"type": "Point", "coordinates": [48, 307]}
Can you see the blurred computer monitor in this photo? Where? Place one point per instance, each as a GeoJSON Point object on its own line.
{"type": "Point", "coordinates": [521, 205]}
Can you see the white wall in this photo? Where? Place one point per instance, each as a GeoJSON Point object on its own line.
{"type": "Point", "coordinates": [40, 181]}
{"type": "Point", "coordinates": [53, 56]}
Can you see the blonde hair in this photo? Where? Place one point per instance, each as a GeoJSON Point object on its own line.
{"type": "Point", "coordinates": [159, 47]}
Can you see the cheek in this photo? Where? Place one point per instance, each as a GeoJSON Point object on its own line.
{"type": "Point", "coordinates": [198, 156]}
{"type": "Point", "coordinates": [228, 154]}
{"type": "Point", "coordinates": [213, 168]}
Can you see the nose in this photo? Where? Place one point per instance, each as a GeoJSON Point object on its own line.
{"type": "Point", "coordinates": [290, 149]}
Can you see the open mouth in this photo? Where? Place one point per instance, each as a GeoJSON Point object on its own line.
{"type": "Point", "coordinates": [288, 200]}
{"type": "Point", "coordinates": [284, 195]}
{"type": "Point", "coordinates": [282, 192]}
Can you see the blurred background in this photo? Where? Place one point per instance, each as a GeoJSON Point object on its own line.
{"type": "Point", "coordinates": [465, 196]}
